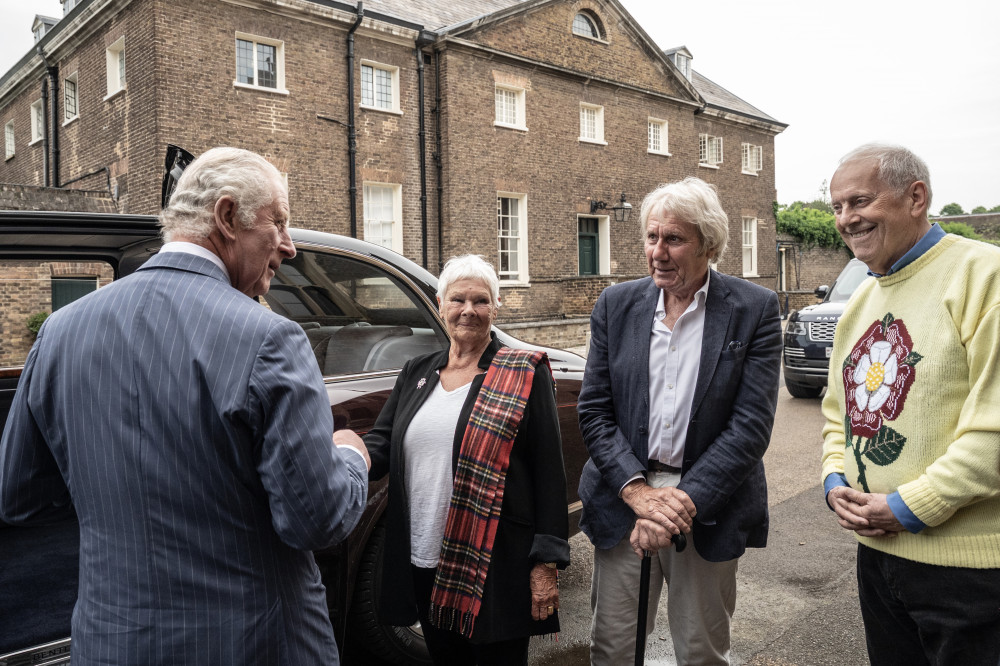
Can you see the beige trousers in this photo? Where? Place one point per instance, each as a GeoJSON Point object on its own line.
{"type": "Point", "coordinates": [700, 604]}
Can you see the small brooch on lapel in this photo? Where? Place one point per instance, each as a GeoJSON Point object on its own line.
{"type": "Point", "coordinates": [421, 383]}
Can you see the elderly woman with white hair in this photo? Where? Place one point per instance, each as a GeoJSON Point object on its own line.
{"type": "Point", "coordinates": [476, 526]}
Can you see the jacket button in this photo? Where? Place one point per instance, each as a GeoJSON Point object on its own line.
{"type": "Point", "coordinates": [642, 430]}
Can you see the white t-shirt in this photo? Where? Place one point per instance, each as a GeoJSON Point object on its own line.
{"type": "Point", "coordinates": [427, 449]}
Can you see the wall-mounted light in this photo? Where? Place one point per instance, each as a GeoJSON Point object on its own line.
{"type": "Point", "coordinates": [621, 211]}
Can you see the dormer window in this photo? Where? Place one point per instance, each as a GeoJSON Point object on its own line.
{"type": "Point", "coordinates": [683, 63]}
{"type": "Point", "coordinates": [586, 25]}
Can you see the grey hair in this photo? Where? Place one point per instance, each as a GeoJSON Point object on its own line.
{"type": "Point", "coordinates": [898, 167]}
{"type": "Point", "coordinates": [243, 175]}
{"type": "Point", "coordinates": [469, 267]}
{"type": "Point", "coordinates": [695, 201]}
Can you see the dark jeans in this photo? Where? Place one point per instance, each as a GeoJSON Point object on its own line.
{"type": "Point", "coordinates": [449, 647]}
{"type": "Point", "coordinates": [919, 613]}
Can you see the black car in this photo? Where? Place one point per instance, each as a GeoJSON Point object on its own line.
{"type": "Point", "coordinates": [808, 337]}
{"type": "Point", "coordinates": [365, 309]}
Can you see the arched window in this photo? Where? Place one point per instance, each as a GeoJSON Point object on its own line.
{"type": "Point", "coordinates": [586, 25]}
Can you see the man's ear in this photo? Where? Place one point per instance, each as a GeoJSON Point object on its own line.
{"type": "Point", "coordinates": [917, 194]}
{"type": "Point", "coordinates": [226, 220]}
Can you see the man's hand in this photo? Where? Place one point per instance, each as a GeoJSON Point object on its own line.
{"type": "Point", "coordinates": [868, 514]}
{"type": "Point", "coordinates": [668, 507]}
{"type": "Point", "coordinates": [544, 591]}
{"type": "Point", "coordinates": [648, 537]}
{"type": "Point", "coordinates": [351, 439]}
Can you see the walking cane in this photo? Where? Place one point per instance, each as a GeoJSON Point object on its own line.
{"type": "Point", "coordinates": [680, 542]}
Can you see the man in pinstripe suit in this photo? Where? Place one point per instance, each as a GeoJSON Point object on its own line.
{"type": "Point", "coordinates": [191, 430]}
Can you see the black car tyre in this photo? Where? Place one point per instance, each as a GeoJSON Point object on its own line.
{"type": "Point", "coordinates": [395, 645]}
{"type": "Point", "coordinates": [803, 391]}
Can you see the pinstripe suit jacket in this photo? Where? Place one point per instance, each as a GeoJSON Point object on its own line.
{"type": "Point", "coordinates": [191, 428]}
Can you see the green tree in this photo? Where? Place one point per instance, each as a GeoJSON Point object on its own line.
{"type": "Point", "coordinates": [814, 227]}
{"type": "Point", "coordinates": [978, 209]}
{"type": "Point", "coordinates": [995, 209]}
{"type": "Point", "coordinates": [952, 209]}
{"type": "Point", "coordinates": [960, 229]}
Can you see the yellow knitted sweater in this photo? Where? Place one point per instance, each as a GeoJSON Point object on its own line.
{"type": "Point", "coordinates": [913, 403]}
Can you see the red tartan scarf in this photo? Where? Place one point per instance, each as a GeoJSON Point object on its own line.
{"type": "Point", "coordinates": [477, 496]}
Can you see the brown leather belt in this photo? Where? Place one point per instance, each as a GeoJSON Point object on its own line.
{"type": "Point", "coordinates": [657, 466]}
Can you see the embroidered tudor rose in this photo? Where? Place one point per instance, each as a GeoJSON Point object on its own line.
{"type": "Point", "coordinates": [878, 376]}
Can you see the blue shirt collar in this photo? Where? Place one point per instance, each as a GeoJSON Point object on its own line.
{"type": "Point", "coordinates": [929, 240]}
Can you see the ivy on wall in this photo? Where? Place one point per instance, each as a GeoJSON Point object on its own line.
{"type": "Point", "coordinates": [813, 226]}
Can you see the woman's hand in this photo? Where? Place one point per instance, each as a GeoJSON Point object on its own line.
{"type": "Point", "coordinates": [544, 591]}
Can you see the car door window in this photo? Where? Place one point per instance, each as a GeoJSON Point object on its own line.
{"type": "Point", "coordinates": [358, 316]}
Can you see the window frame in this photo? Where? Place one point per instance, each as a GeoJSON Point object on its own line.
{"type": "Point", "coordinates": [593, 22]}
{"type": "Point", "coordinates": [9, 140]}
{"type": "Point", "coordinates": [598, 124]}
{"type": "Point", "coordinates": [753, 158]}
{"type": "Point", "coordinates": [73, 78]}
{"type": "Point", "coordinates": [519, 277]}
{"type": "Point", "coordinates": [683, 64]}
{"type": "Point", "coordinates": [37, 112]}
{"type": "Point", "coordinates": [664, 128]}
{"type": "Point", "coordinates": [396, 193]}
{"type": "Point", "coordinates": [394, 87]}
{"type": "Point", "coordinates": [706, 143]}
{"type": "Point", "coordinates": [519, 107]}
{"type": "Point", "coordinates": [279, 58]}
{"type": "Point", "coordinates": [751, 246]}
{"type": "Point", "coordinates": [116, 73]}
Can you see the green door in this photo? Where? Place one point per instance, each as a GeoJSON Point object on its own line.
{"type": "Point", "coordinates": [589, 245]}
{"type": "Point", "coordinates": [67, 290]}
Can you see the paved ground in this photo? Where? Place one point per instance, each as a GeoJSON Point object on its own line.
{"type": "Point", "coordinates": [797, 599]}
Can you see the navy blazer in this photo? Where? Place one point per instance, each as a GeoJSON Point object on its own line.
{"type": "Point", "coordinates": [192, 430]}
{"type": "Point", "coordinates": [731, 414]}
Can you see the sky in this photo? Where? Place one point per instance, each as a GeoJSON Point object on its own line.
{"type": "Point", "coordinates": [922, 73]}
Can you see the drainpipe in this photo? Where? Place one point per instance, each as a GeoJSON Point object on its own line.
{"type": "Point", "coordinates": [352, 137]}
{"type": "Point", "coordinates": [45, 131]}
{"type": "Point", "coordinates": [437, 158]}
{"type": "Point", "coordinates": [423, 148]}
{"type": "Point", "coordinates": [53, 72]}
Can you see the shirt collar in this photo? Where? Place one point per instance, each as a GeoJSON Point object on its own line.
{"type": "Point", "coordinates": [928, 241]}
{"type": "Point", "coordinates": [198, 250]}
{"type": "Point", "coordinates": [699, 298]}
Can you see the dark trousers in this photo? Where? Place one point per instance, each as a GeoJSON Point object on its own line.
{"type": "Point", "coordinates": [919, 613]}
{"type": "Point", "coordinates": [449, 647]}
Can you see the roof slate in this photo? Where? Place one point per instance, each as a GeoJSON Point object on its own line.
{"type": "Point", "coordinates": [716, 95]}
{"type": "Point", "coordinates": [436, 14]}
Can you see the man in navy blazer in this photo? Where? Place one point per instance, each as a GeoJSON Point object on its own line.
{"type": "Point", "coordinates": [676, 410]}
{"type": "Point", "coordinates": [191, 430]}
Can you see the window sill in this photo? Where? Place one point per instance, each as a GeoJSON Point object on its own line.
{"type": "Point", "coordinates": [520, 128]}
{"type": "Point", "coordinates": [592, 39]}
{"type": "Point", "coordinates": [750, 173]}
{"type": "Point", "coordinates": [114, 93]}
{"type": "Point", "coordinates": [35, 141]}
{"type": "Point", "coordinates": [596, 142]}
{"type": "Point", "coordinates": [659, 152]}
{"type": "Point", "coordinates": [10, 157]}
{"type": "Point", "coordinates": [67, 122]}
{"type": "Point", "coordinates": [514, 283]}
{"type": "Point", "coordinates": [708, 166]}
{"type": "Point", "coordinates": [247, 86]}
{"type": "Point", "coordinates": [394, 112]}
{"type": "Point", "coordinates": [751, 275]}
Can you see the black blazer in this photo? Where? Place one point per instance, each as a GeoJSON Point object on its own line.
{"type": "Point", "coordinates": [534, 523]}
{"type": "Point", "coordinates": [731, 415]}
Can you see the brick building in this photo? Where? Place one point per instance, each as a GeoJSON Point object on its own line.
{"type": "Point", "coordinates": [506, 128]}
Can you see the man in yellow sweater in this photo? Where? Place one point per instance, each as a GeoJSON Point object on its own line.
{"type": "Point", "coordinates": [911, 452]}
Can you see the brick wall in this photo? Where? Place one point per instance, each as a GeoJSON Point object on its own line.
{"type": "Point", "coordinates": [26, 288]}
{"type": "Point", "coordinates": [29, 197]}
{"type": "Point", "coordinates": [806, 269]}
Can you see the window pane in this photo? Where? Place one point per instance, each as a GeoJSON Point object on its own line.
{"type": "Point", "coordinates": [69, 98]}
{"type": "Point", "coordinates": [378, 211]}
{"type": "Point", "coordinates": [588, 123]}
{"type": "Point", "coordinates": [506, 106]}
{"type": "Point", "coordinates": [244, 61]}
{"type": "Point", "coordinates": [267, 66]}
{"type": "Point", "coordinates": [8, 135]}
{"type": "Point", "coordinates": [383, 88]}
{"type": "Point", "coordinates": [367, 85]}
{"type": "Point", "coordinates": [583, 25]}
{"type": "Point", "coordinates": [508, 236]}
{"type": "Point", "coordinates": [654, 136]}
{"type": "Point", "coordinates": [121, 68]}
{"type": "Point", "coordinates": [358, 318]}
